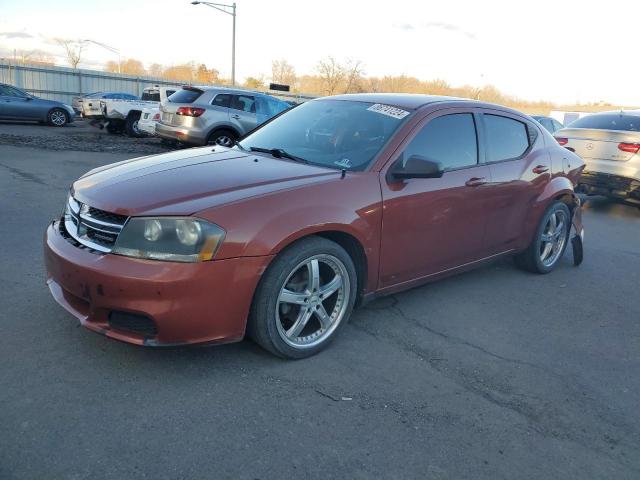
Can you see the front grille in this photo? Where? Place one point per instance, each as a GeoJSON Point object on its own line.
{"type": "Point", "coordinates": [132, 323]}
{"type": "Point", "coordinates": [92, 227]}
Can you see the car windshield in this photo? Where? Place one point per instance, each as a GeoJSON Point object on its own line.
{"type": "Point", "coordinates": [332, 133]}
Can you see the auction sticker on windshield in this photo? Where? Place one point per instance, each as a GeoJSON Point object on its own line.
{"type": "Point", "coordinates": [388, 110]}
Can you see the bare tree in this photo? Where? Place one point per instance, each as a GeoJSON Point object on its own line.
{"type": "Point", "coordinates": [283, 72]}
{"type": "Point", "coordinates": [73, 50]}
{"type": "Point", "coordinates": [354, 72]}
{"type": "Point", "coordinates": [331, 73]}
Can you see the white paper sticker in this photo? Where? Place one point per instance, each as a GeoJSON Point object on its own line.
{"type": "Point", "coordinates": [388, 110]}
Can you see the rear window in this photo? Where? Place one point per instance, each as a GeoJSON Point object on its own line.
{"type": "Point", "coordinates": [506, 138]}
{"type": "Point", "coordinates": [151, 96]}
{"type": "Point", "coordinates": [186, 95]}
{"type": "Point", "coordinates": [609, 121]}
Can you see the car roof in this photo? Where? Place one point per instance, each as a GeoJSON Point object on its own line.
{"type": "Point", "coordinates": [409, 101]}
{"type": "Point", "coordinates": [633, 113]}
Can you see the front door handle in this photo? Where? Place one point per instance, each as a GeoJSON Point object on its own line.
{"type": "Point", "coordinates": [237, 117]}
{"type": "Point", "coordinates": [540, 169]}
{"type": "Point", "coordinates": [475, 181]}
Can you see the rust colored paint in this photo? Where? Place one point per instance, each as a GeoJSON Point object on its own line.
{"type": "Point", "coordinates": [411, 231]}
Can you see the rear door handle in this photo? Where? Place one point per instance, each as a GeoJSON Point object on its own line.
{"type": "Point", "coordinates": [475, 181]}
{"type": "Point", "coordinates": [540, 169]}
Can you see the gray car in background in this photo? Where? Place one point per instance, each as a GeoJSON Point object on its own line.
{"type": "Point", "coordinates": [16, 104]}
{"type": "Point", "coordinates": [214, 115]}
{"type": "Point", "coordinates": [609, 144]}
{"type": "Point", "coordinates": [550, 124]}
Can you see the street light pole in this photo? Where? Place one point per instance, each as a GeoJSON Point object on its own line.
{"type": "Point", "coordinates": [224, 9]}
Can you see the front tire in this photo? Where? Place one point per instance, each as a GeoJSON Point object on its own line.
{"type": "Point", "coordinates": [550, 240]}
{"type": "Point", "coordinates": [306, 295]}
{"type": "Point", "coordinates": [57, 117]}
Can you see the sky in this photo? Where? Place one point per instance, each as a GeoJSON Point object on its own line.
{"type": "Point", "coordinates": [563, 51]}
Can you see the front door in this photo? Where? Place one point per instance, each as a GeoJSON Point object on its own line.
{"type": "Point", "coordinates": [431, 225]}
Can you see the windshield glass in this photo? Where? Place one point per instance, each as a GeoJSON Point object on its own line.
{"type": "Point", "coordinates": [332, 133]}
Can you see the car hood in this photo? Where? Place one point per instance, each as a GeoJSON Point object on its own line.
{"type": "Point", "coordinates": [187, 181]}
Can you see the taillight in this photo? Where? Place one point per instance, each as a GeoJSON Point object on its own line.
{"type": "Point", "coordinates": [562, 141]}
{"type": "Point", "coordinates": [156, 116]}
{"type": "Point", "coordinates": [190, 111]}
{"type": "Point", "coordinates": [629, 147]}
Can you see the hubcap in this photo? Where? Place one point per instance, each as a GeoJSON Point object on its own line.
{"type": "Point", "coordinates": [312, 301]}
{"type": "Point", "coordinates": [554, 236]}
{"type": "Point", "coordinates": [57, 118]}
{"type": "Point", "coordinates": [223, 140]}
{"type": "Point", "coordinates": [136, 130]}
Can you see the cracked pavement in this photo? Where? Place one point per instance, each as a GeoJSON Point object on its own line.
{"type": "Point", "coordinates": [491, 374]}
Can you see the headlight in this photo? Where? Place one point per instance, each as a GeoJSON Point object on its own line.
{"type": "Point", "coordinates": [170, 239]}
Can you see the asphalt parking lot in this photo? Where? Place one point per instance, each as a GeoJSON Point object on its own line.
{"type": "Point", "coordinates": [491, 374]}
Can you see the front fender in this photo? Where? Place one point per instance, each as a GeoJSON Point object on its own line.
{"type": "Point", "coordinates": [265, 225]}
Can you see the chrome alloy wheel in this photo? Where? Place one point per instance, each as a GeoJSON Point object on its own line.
{"type": "Point", "coordinates": [58, 117]}
{"type": "Point", "coordinates": [312, 301]}
{"type": "Point", "coordinates": [554, 236]}
{"type": "Point", "coordinates": [223, 140]}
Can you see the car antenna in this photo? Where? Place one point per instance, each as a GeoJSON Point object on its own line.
{"type": "Point", "coordinates": [344, 172]}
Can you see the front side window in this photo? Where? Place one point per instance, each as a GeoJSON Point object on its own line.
{"type": "Point", "coordinates": [450, 140]}
{"type": "Point", "coordinates": [507, 138]}
{"type": "Point", "coordinates": [336, 134]}
{"type": "Point", "coordinates": [245, 103]}
{"type": "Point", "coordinates": [12, 92]}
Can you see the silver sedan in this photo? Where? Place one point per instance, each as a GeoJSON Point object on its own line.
{"type": "Point", "coordinates": [609, 143]}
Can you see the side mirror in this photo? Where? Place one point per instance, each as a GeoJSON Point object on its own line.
{"type": "Point", "coordinates": [417, 166]}
{"type": "Point", "coordinates": [29, 99]}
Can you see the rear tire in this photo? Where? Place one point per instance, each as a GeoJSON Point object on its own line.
{"type": "Point", "coordinates": [223, 137]}
{"type": "Point", "coordinates": [549, 242]}
{"type": "Point", "coordinates": [303, 299]}
{"type": "Point", "coordinates": [57, 117]}
{"type": "Point", "coordinates": [131, 126]}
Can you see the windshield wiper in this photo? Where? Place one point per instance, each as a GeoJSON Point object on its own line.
{"type": "Point", "coordinates": [278, 153]}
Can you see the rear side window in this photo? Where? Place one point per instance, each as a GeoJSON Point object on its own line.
{"type": "Point", "coordinates": [450, 140]}
{"type": "Point", "coordinates": [609, 121]}
{"type": "Point", "coordinates": [185, 95]}
{"type": "Point", "coordinates": [506, 138]}
{"type": "Point", "coordinates": [222, 100]}
{"type": "Point", "coordinates": [246, 103]}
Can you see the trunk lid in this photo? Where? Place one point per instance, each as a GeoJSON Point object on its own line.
{"type": "Point", "coordinates": [599, 144]}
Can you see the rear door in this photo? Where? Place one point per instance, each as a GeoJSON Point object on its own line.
{"type": "Point", "coordinates": [431, 225]}
{"type": "Point", "coordinates": [243, 113]}
{"type": "Point", "coordinates": [520, 170]}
